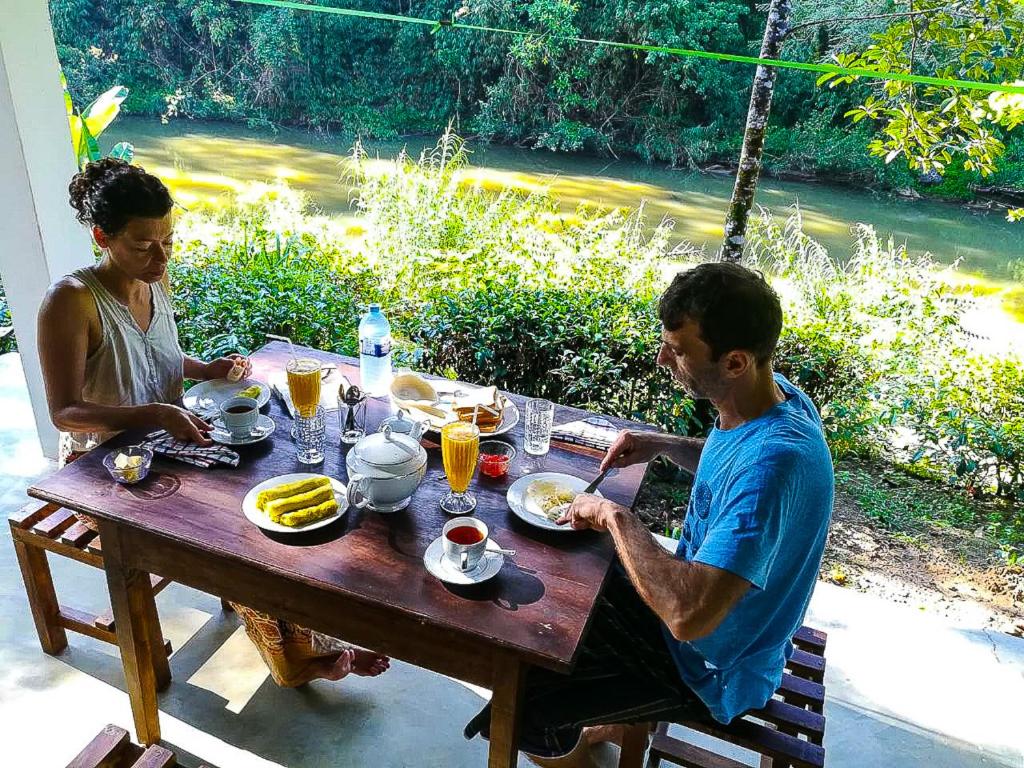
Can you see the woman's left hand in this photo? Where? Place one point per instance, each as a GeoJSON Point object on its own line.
{"type": "Point", "coordinates": [219, 368]}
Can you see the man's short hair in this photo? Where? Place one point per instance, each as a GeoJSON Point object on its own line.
{"type": "Point", "coordinates": [734, 307]}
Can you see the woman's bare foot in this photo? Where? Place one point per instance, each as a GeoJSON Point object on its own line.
{"type": "Point", "coordinates": [339, 668]}
{"type": "Point", "coordinates": [368, 663]}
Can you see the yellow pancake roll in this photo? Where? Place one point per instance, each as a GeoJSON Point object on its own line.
{"type": "Point", "coordinates": [319, 495]}
{"type": "Point", "coordinates": [309, 514]}
{"type": "Point", "coordinates": [290, 489]}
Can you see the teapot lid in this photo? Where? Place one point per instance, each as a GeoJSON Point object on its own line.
{"type": "Point", "coordinates": [390, 450]}
{"type": "Point", "coordinates": [398, 423]}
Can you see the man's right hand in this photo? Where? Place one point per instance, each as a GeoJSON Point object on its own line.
{"type": "Point", "coordinates": [183, 424]}
{"type": "Point", "coordinates": [632, 447]}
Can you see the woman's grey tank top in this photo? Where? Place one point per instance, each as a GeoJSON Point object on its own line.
{"type": "Point", "coordinates": [130, 367]}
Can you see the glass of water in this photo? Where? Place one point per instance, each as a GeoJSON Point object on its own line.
{"type": "Point", "coordinates": [310, 436]}
{"type": "Point", "coordinates": [540, 415]}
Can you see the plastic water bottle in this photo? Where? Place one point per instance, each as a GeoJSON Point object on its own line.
{"type": "Point", "coordinates": [375, 352]}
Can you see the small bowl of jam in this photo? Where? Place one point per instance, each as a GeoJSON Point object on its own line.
{"type": "Point", "coordinates": [495, 457]}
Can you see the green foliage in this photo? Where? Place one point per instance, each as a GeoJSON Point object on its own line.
{"type": "Point", "coordinates": [358, 78]}
{"type": "Point", "coordinates": [500, 287]}
{"type": "Point", "coordinates": [7, 341]}
{"type": "Point", "coordinates": [259, 267]}
{"type": "Point", "coordinates": [931, 127]}
{"type": "Point", "coordinates": [87, 125]}
{"type": "Point", "coordinates": [901, 502]}
{"type": "Point", "coordinates": [886, 338]}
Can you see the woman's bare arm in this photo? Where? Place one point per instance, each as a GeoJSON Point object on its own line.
{"type": "Point", "coordinates": [66, 317]}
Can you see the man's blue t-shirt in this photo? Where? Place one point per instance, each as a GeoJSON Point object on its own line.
{"type": "Point", "coordinates": [760, 508]}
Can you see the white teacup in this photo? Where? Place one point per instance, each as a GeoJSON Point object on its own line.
{"type": "Point", "coordinates": [239, 415]}
{"type": "Point", "coordinates": [465, 541]}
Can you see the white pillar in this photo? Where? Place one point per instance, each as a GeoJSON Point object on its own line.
{"type": "Point", "coordinates": [39, 238]}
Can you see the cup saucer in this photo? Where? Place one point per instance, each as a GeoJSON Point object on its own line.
{"type": "Point", "coordinates": [440, 566]}
{"type": "Point", "coordinates": [264, 428]}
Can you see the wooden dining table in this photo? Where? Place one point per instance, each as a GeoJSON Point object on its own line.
{"type": "Point", "coordinates": [361, 578]}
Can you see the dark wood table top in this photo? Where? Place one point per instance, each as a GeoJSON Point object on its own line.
{"type": "Point", "coordinates": [539, 605]}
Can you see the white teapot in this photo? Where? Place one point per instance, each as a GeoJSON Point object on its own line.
{"type": "Point", "coordinates": [385, 469]}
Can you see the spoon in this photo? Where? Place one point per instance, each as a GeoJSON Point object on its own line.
{"type": "Point", "coordinates": [502, 551]}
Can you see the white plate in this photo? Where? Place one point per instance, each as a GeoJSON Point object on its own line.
{"type": "Point", "coordinates": [527, 511]}
{"type": "Point", "coordinates": [264, 428]}
{"type": "Point", "coordinates": [509, 419]}
{"type": "Point", "coordinates": [444, 569]}
{"type": "Point", "coordinates": [264, 522]}
{"type": "Point", "coordinates": [207, 395]}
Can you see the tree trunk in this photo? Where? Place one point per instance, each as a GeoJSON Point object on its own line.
{"type": "Point", "coordinates": [775, 31]}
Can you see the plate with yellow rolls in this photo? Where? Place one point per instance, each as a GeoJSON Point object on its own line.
{"type": "Point", "coordinates": [295, 503]}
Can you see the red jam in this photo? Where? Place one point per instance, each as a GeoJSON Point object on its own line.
{"type": "Point", "coordinates": [494, 464]}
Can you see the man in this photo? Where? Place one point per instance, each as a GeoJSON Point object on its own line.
{"type": "Point", "coordinates": [704, 633]}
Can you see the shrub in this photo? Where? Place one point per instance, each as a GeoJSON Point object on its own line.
{"type": "Point", "coordinates": [7, 343]}
{"type": "Point", "coordinates": [258, 266]}
{"type": "Point", "coordinates": [884, 332]}
{"type": "Point", "coordinates": [504, 287]}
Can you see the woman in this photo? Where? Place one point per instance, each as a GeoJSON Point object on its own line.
{"type": "Point", "coordinates": [111, 361]}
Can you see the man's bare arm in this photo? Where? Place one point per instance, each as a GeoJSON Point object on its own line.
{"type": "Point", "coordinates": [691, 599]}
{"type": "Point", "coordinates": [635, 447]}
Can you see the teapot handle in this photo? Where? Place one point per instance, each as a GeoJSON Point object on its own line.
{"type": "Point", "coordinates": [419, 429]}
{"type": "Point", "coordinates": [354, 493]}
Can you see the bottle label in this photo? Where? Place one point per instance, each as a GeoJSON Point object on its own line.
{"type": "Point", "coordinates": [373, 348]}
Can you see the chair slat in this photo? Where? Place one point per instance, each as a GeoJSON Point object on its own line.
{"type": "Point", "coordinates": [802, 692]}
{"type": "Point", "coordinates": [665, 747]}
{"type": "Point", "coordinates": [789, 717]}
{"type": "Point", "coordinates": [55, 523]}
{"type": "Point", "coordinates": [156, 757]}
{"type": "Point", "coordinates": [781, 747]}
{"type": "Point", "coordinates": [30, 514]}
{"type": "Point", "coordinates": [807, 665]}
{"type": "Point", "coordinates": [78, 535]}
{"type": "Point", "coordinates": [809, 639]}
{"type": "Point", "coordinates": [104, 751]}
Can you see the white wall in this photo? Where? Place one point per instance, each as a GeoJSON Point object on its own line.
{"type": "Point", "coordinates": [39, 238]}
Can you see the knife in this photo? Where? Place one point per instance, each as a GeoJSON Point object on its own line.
{"type": "Point", "coordinates": [597, 481]}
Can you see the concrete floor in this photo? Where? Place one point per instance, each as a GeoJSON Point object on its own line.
{"type": "Point", "coordinates": [905, 689]}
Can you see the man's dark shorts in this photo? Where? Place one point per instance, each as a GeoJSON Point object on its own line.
{"type": "Point", "coordinates": [624, 674]}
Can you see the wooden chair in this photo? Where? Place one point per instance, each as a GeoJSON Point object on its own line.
{"type": "Point", "coordinates": [112, 749]}
{"type": "Point", "coordinates": [38, 528]}
{"type": "Point", "coordinates": [788, 733]}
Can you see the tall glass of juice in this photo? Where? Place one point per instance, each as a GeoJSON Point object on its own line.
{"type": "Point", "coordinates": [304, 384]}
{"type": "Point", "coordinates": [460, 447]}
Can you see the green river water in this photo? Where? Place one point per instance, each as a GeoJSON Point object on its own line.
{"type": "Point", "coordinates": [205, 160]}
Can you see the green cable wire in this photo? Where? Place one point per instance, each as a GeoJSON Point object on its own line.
{"type": "Point", "coordinates": [833, 69]}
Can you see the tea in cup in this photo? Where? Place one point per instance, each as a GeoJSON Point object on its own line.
{"type": "Point", "coordinates": [239, 416]}
{"type": "Point", "coordinates": [465, 542]}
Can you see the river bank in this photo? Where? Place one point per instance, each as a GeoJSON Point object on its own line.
{"type": "Point", "coordinates": [203, 160]}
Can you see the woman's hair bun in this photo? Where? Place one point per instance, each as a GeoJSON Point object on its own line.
{"type": "Point", "coordinates": [109, 193]}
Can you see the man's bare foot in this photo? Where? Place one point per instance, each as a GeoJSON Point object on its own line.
{"type": "Point", "coordinates": [578, 758]}
{"type": "Point", "coordinates": [368, 663]}
{"type": "Point", "coordinates": [599, 734]}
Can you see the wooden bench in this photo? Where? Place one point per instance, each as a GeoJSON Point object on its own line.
{"type": "Point", "coordinates": [38, 528]}
{"type": "Point", "coordinates": [787, 733]}
{"type": "Point", "coordinates": [112, 749]}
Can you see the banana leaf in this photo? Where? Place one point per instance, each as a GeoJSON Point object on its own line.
{"type": "Point", "coordinates": [101, 113]}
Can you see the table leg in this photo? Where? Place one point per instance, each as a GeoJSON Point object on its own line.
{"type": "Point", "coordinates": [506, 702]}
{"type": "Point", "coordinates": [131, 597]}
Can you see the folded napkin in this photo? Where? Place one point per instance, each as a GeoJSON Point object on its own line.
{"type": "Point", "coordinates": [199, 455]}
{"type": "Point", "coordinates": [593, 432]}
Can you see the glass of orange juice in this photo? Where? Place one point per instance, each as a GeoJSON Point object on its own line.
{"type": "Point", "coordinates": [304, 384]}
{"type": "Point", "coordinates": [460, 447]}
